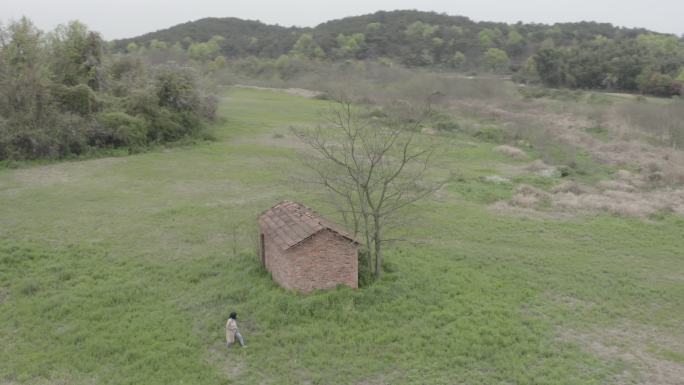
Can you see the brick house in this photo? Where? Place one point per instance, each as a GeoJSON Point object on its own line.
{"type": "Point", "coordinates": [304, 251]}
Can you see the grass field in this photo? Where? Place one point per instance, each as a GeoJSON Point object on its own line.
{"type": "Point", "coordinates": [123, 271]}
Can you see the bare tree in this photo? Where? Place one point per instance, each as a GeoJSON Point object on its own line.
{"type": "Point", "coordinates": [373, 163]}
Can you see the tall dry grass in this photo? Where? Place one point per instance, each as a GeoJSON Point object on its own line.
{"type": "Point", "coordinates": [644, 135]}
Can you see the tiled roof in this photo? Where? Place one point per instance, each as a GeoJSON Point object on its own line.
{"type": "Point", "coordinates": [289, 223]}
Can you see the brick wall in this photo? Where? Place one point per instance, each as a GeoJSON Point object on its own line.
{"type": "Point", "coordinates": [323, 261]}
{"type": "Point", "coordinates": [277, 264]}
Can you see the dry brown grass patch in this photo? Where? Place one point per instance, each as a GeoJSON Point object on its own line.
{"type": "Point", "coordinates": [428, 131]}
{"type": "Point", "coordinates": [290, 91]}
{"type": "Point", "coordinates": [528, 196]}
{"type": "Point", "coordinates": [624, 203]}
{"type": "Point", "coordinates": [569, 186]}
{"type": "Point", "coordinates": [614, 197]}
{"type": "Point", "coordinates": [507, 208]}
{"type": "Point", "coordinates": [511, 151]}
{"type": "Point", "coordinates": [616, 185]}
{"type": "Point", "coordinates": [537, 165]}
{"type": "Point", "coordinates": [659, 165]}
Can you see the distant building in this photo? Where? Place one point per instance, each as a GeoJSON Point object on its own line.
{"type": "Point", "coordinates": [304, 251]}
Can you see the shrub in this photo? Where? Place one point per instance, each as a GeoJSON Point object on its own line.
{"type": "Point", "coordinates": [142, 102]}
{"type": "Point", "coordinates": [443, 122]}
{"type": "Point", "coordinates": [177, 89]}
{"type": "Point", "coordinates": [70, 138]}
{"type": "Point", "coordinates": [448, 126]}
{"type": "Point", "coordinates": [53, 94]}
{"type": "Point", "coordinates": [125, 65]}
{"type": "Point", "coordinates": [169, 126]}
{"type": "Point", "coordinates": [30, 143]}
{"type": "Point", "coordinates": [659, 84]}
{"type": "Point", "coordinates": [4, 134]}
{"type": "Point", "coordinates": [491, 134]}
{"type": "Point", "coordinates": [124, 73]}
{"type": "Point", "coordinates": [364, 272]}
{"type": "Point", "coordinates": [323, 96]}
{"type": "Point", "coordinates": [118, 129]}
{"type": "Point", "coordinates": [171, 109]}
{"type": "Point", "coordinates": [209, 107]}
{"type": "Point", "coordinates": [79, 99]}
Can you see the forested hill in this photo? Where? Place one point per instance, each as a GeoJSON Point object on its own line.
{"type": "Point", "coordinates": [240, 37]}
{"type": "Point", "coordinates": [413, 37]}
{"type": "Point", "coordinates": [581, 55]}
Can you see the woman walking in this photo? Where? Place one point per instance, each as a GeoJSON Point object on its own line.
{"type": "Point", "coordinates": [232, 332]}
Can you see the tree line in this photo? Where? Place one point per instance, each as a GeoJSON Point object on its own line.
{"type": "Point", "coordinates": [650, 64]}
{"type": "Point", "coordinates": [575, 55]}
{"type": "Point", "coordinates": [64, 94]}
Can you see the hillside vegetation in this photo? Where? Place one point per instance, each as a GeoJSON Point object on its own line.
{"type": "Point", "coordinates": [551, 255]}
{"type": "Point", "coordinates": [67, 93]}
{"type": "Point", "coordinates": [583, 55]}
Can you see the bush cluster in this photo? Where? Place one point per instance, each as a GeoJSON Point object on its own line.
{"type": "Point", "coordinates": [62, 94]}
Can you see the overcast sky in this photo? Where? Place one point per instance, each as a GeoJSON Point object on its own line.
{"type": "Point", "coordinates": [127, 18]}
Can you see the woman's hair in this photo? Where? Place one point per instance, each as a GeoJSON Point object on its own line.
{"type": "Point", "coordinates": [233, 315]}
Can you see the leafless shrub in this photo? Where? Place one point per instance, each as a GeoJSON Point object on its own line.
{"type": "Point", "coordinates": [570, 187]}
{"type": "Point", "coordinates": [520, 200]}
{"type": "Point", "coordinates": [528, 196]}
{"type": "Point", "coordinates": [511, 151]}
{"type": "Point", "coordinates": [653, 167]}
{"type": "Point", "coordinates": [537, 165]}
{"type": "Point", "coordinates": [616, 185]}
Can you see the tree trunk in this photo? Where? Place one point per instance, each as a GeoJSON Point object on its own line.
{"type": "Point", "coordinates": [378, 247]}
{"type": "Point", "coordinates": [369, 258]}
{"type": "Point", "coordinates": [369, 250]}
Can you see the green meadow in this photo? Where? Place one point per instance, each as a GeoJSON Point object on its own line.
{"type": "Point", "coordinates": [123, 270]}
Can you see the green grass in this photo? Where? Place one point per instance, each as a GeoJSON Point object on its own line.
{"type": "Point", "coordinates": [673, 356]}
{"type": "Point", "coordinates": [599, 132]}
{"type": "Point", "coordinates": [122, 271]}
